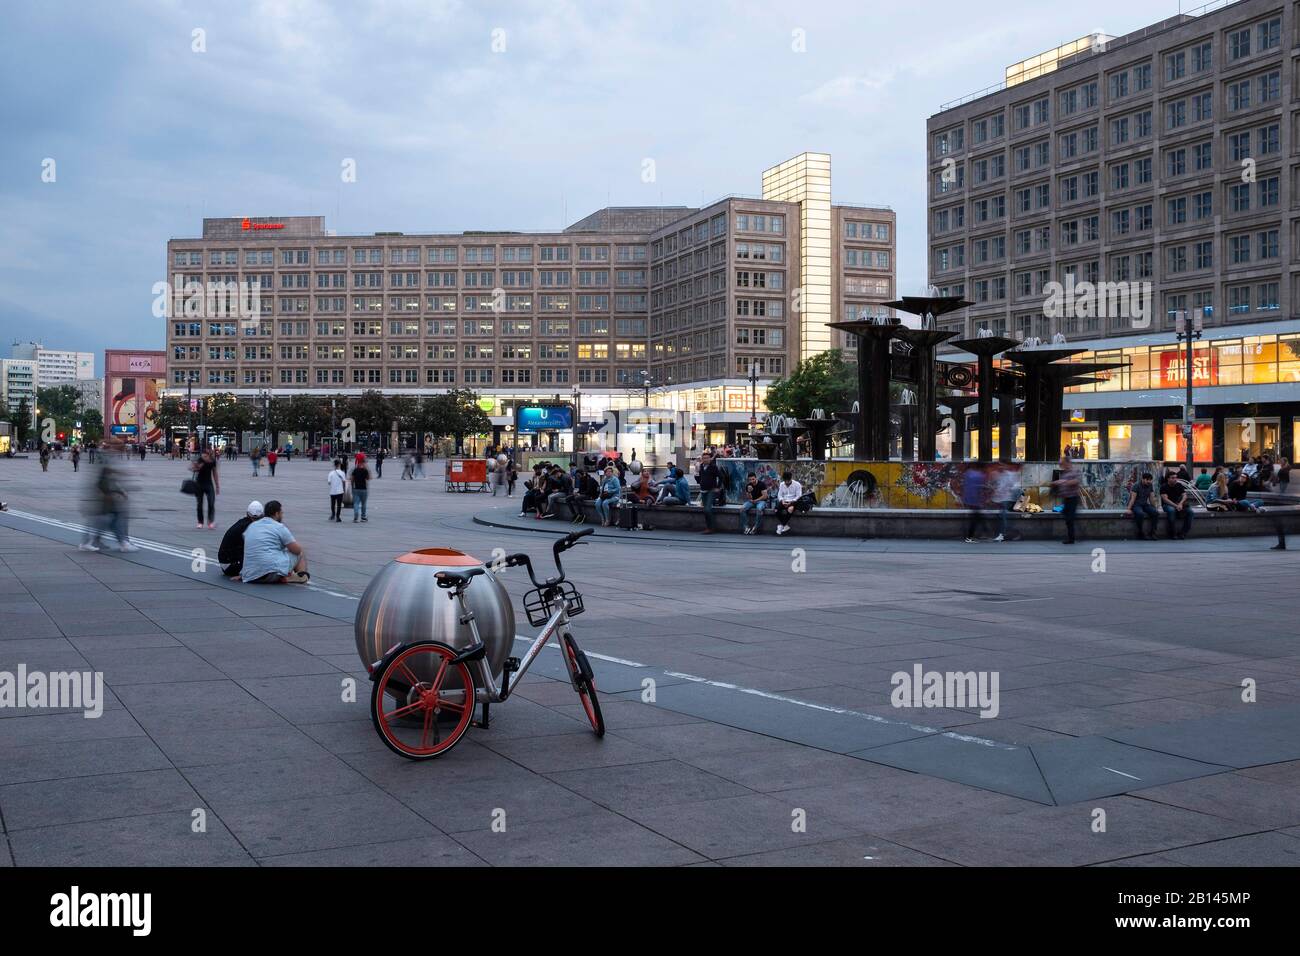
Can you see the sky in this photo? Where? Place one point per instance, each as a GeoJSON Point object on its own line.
{"type": "Point", "coordinates": [454, 115]}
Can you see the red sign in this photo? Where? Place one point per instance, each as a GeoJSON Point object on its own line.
{"type": "Point", "coordinates": [1173, 368]}
{"type": "Point", "coordinates": [248, 225]}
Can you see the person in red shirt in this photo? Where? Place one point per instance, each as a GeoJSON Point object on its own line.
{"type": "Point", "coordinates": [271, 459]}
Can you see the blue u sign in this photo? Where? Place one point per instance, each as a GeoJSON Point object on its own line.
{"type": "Point", "coordinates": [535, 418]}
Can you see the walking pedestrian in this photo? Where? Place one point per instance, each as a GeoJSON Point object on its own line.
{"type": "Point", "coordinates": [379, 462]}
{"type": "Point", "coordinates": [45, 457]}
{"type": "Point", "coordinates": [408, 466]}
{"type": "Point", "coordinates": [973, 487]}
{"type": "Point", "coordinates": [360, 489]}
{"type": "Point", "coordinates": [255, 456]}
{"type": "Point", "coordinates": [271, 459]}
{"type": "Point", "coordinates": [207, 485]}
{"type": "Point", "coordinates": [512, 476]}
{"type": "Point", "coordinates": [336, 480]}
{"type": "Point", "coordinates": [1067, 486]}
{"type": "Point", "coordinates": [107, 509]}
{"type": "Point", "coordinates": [1006, 492]}
{"type": "Point", "coordinates": [76, 459]}
{"type": "Point", "coordinates": [419, 464]}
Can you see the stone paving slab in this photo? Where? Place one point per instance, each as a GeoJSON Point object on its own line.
{"type": "Point", "coordinates": [226, 697]}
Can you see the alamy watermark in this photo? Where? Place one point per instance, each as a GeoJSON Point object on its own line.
{"type": "Point", "coordinates": [214, 299]}
{"type": "Point", "coordinates": [1103, 300]}
{"type": "Point", "coordinates": [38, 690]}
{"type": "Point", "coordinates": [950, 689]}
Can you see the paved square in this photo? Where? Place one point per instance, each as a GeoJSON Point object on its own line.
{"type": "Point", "coordinates": [770, 738]}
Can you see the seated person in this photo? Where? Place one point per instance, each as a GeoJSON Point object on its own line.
{"type": "Point", "coordinates": [1141, 506]}
{"type": "Point", "coordinates": [559, 488]}
{"type": "Point", "coordinates": [610, 496]}
{"type": "Point", "coordinates": [584, 486]}
{"type": "Point", "coordinates": [231, 553]}
{"type": "Point", "coordinates": [270, 551]}
{"type": "Point", "coordinates": [681, 490]}
{"type": "Point", "coordinates": [1177, 505]}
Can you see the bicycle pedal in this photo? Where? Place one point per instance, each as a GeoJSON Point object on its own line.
{"type": "Point", "coordinates": [511, 665]}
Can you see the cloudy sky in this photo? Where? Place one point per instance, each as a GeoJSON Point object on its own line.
{"type": "Point", "coordinates": [148, 135]}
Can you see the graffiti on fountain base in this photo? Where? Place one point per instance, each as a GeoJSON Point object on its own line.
{"type": "Point", "coordinates": [906, 484]}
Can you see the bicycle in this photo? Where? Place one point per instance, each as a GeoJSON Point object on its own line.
{"type": "Point", "coordinates": [420, 702]}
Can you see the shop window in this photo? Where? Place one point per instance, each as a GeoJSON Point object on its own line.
{"type": "Point", "coordinates": [1129, 441]}
{"type": "Point", "coordinates": [1250, 437]}
{"type": "Point", "coordinates": [1202, 441]}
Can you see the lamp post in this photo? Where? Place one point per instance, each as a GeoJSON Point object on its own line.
{"type": "Point", "coordinates": [266, 417]}
{"type": "Point", "coordinates": [577, 417]}
{"type": "Point", "coordinates": [753, 395]}
{"type": "Point", "coordinates": [1189, 333]}
{"type": "Point", "coordinates": [191, 438]}
{"type": "Point", "coordinates": [332, 436]}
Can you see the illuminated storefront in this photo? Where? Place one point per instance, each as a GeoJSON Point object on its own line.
{"type": "Point", "coordinates": [1246, 396]}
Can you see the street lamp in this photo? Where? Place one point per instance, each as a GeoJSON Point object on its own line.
{"type": "Point", "coordinates": [1183, 331]}
{"type": "Point", "coordinates": [753, 394]}
{"type": "Point", "coordinates": [577, 418]}
{"type": "Point", "coordinates": [190, 378]}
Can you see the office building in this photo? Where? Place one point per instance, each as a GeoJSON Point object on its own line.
{"type": "Point", "coordinates": [677, 306]}
{"type": "Point", "coordinates": [55, 366]}
{"type": "Point", "coordinates": [1148, 177]}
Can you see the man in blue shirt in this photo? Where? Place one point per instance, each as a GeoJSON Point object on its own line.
{"type": "Point", "coordinates": [271, 555]}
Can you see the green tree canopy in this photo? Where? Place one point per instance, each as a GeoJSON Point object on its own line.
{"type": "Point", "coordinates": [61, 403]}
{"type": "Point", "coordinates": [304, 414]}
{"type": "Point", "coordinates": [822, 381]}
{"type": "Point", "coordinates": [227, 413]}
{"type": "Point", "coordinates": [22, 420]}
{"type": "Point", "coordinates": [370, 411]}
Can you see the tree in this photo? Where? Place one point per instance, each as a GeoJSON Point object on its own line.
{"type": "Point", "coordinates": [822, 381]}
{"type": "Point", "coordinates": [61, 403]}
{"type": "Point", "coordinates": [226, 413]}
{"type": "Point", "coordinates": [370, 411]}
{"type": "Point", "coordinates": [172, 413]}
{"type": "Point", "coordinates": [22, 420]}
{"type": "Point", "coordinates": [92, 424]}
{"type": "Point", "coordinates": [463, 415]}
{"type": "Point", "coordinates": [304, 414]}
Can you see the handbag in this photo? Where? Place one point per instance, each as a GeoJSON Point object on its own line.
{"type": "Point", "coordinates": [189, 487]}
{"type": "Point", "coordinates": [347, 495]}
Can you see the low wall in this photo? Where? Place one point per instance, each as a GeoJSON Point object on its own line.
{"type": "Point", "coordinates": [930, 485]}
{"type": "Point", "coordinates": [1098, 524]}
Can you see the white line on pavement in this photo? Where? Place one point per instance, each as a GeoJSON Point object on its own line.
{"type": "Point", "coordinates": [841, 710]}
{"type": "Point", "coordinates": [1121, 773]}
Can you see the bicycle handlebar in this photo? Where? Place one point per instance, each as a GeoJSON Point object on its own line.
{"type": "Point", "coordinates": [564, 544]}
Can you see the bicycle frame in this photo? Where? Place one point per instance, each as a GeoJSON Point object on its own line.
{"type": "Point", "coordinates": [488, 691]}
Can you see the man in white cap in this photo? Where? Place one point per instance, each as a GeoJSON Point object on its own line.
{"type": "Point", "coordinates": [231, 552]}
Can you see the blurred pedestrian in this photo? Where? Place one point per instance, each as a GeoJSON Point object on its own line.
{"type": "Point", "coordinates": [76, 459]}
{"type": "Point", "coordinates": [207, 485]}
{"type": "Point", "coordinates": [271, 459]}
{"type": "Point", "coordinates": [1067, 486]}
{"type": "Point", "coordinates": [107, 509]}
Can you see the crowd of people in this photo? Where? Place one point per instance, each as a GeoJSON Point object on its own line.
{"type": "Point", "coordinates": [612, 484]}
